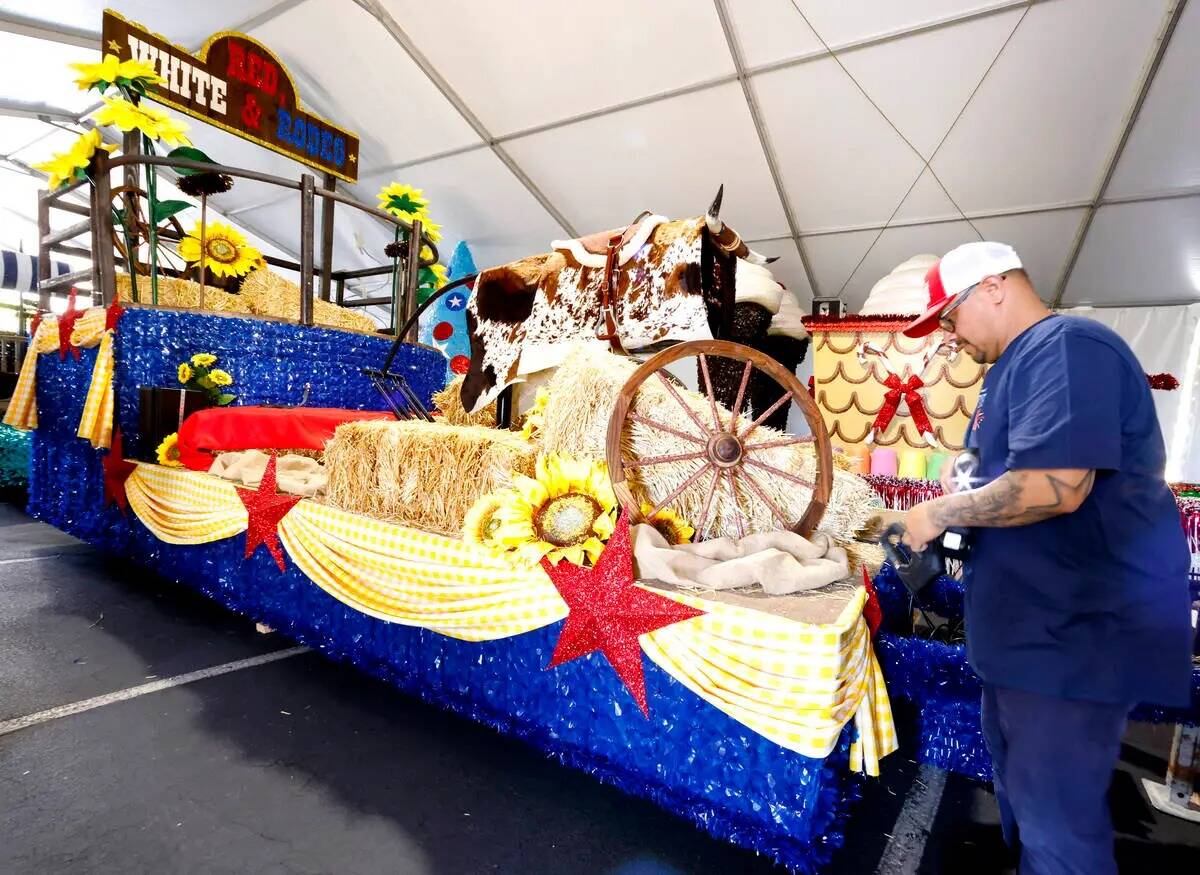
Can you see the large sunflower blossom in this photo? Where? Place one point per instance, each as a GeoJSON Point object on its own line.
{"type": "Point", "coordinates": [151, 121]}
{"type": "Point", "coordinates": [566, 512]}
{"type": "Point", "coordinates": [403, 201]}
{"type": "Point", "coordinates": [670, 525]}
{"type": "Point", "coordinates": [112, 70]}
{"type": "Point", "coordinates": [67, 166]}
{"type": "Point", "coordinates": [226, 252]}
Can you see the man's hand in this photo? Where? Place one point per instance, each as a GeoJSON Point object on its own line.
{"type": "Point", "coordinates": [920, 527]}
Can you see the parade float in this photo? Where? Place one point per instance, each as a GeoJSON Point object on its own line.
{"type": "Point", "coordinates": [635, 568]}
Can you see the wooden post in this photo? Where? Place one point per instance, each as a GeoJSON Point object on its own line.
{"type": "Point", "coordinates": [327, 207]}
{"type": "Point", "coordinates": [131, 145]}
{"type": "Point", "coordinates": [104, 268]}
{"type": "Point", "coordinates": [307, 186]}
{"type": "Point", "coordinates": [43, 250]}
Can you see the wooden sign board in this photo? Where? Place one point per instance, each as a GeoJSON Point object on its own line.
{"type": "Point", "coordinates": [237, 84]}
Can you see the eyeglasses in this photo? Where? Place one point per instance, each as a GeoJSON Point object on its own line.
{"type": "Point", "coordinates": [958, 302]}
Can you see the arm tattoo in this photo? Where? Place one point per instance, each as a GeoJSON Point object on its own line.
{"type": "Point", "coordinates": [1011, 500]}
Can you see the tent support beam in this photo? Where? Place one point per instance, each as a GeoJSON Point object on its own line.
{"type": "Point", "coordinates": [1170, 20]}
{"type": "Point", "coordinates": [764, 141]}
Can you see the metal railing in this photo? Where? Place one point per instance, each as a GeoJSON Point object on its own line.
{"type": "Point", "coordinates": [98, 223]}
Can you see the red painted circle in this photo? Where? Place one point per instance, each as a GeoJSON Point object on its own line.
{"type": "Point", "coordinates": [459, 364]}
{"type": "Point", "coordinates": [442, 330]}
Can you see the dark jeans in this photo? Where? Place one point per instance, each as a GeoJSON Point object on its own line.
{"type": "Point", "coordinates": [1052, 763]}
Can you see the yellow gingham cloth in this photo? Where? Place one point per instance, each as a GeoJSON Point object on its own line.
{"type": "Point", "coordinates": [88, 331]}
{"type": "Point", "coordinates": [96, 421]}
{"type": "Point", "coordinates": [797, 684]}
{"type": "Point", "coordinates": [22, 409]}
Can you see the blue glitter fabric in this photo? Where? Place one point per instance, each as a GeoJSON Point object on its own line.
{"type": "Point", "coordinates": [14, 457]}
{"type": "Point", "coordinates": [270, 362]}
{"type": "Point", "coordinates": [689, 757]}
{"type": "Point", "coordinates": [936, 678]}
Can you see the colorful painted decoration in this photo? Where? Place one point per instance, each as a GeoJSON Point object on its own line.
{"type": "Point", "coordinates": [444, 324]}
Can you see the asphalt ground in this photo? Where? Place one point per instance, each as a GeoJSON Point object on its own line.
{"type": "Point", "coordinates": [277, 761]}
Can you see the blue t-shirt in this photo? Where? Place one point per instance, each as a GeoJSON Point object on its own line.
{"type": "Point", "coordinates": [1094, 604]}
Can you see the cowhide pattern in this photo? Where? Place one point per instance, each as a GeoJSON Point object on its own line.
{"type": "Point", "coordinates": [524, 316]}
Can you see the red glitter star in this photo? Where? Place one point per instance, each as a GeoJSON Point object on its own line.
{"type": "Point", "coordinates": [116, 471]}
{"type": "Point", "coordinates": [66, 324]}
{"type": "Point", "coordinates": [608, 612]}
{"type": "Point", "coordinates": [872, 611]}
{"type": "Point", "coordinates": [266, 508]}
{"type": "Point", "coordinates": [35, 324]}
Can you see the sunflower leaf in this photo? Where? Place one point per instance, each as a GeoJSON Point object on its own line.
{"type": "Point", "coordinates": [189, 153]}
{"type": "Point", "coordinates": [225, 398]}
{"type": "Point", "coordinates": [166, 209]}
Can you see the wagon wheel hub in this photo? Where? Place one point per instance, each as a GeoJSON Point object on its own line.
{"type": "Point", "coordinates": [724, 450]}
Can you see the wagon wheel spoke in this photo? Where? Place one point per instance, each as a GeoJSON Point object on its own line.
{"type": "Point", "coordinates": [779, 472]}
{"type": "Point", "coordinates": [708, 390]}
{"type": "Point", "coordinates": [741, 396]}
{"type": "Point", "coordinates": [787, 396]}
{"type": "Point", "coordinates": [661, 460]}
{"type": "Point", "coordinates": [686, 409]}
{"type": "Point", "coordinates": [712, 490]}
{"type": "Point", "coordinates": [737, 507]}
{"type": "Point", "coordinates": [757, 489]}
{"type": "Point", "coordinates": [784, 442]}
{"type": "Point", "coordinates": [678, 489]}
{"type": "Point", "coordinates": [650, 422]}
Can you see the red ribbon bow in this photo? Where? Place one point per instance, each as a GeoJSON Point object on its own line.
{"type": "Point", "coordinates": [911, 391]}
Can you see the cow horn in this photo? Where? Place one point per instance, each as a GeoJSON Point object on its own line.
{"type": "Point", "coordinates": [758, 258]}
{"type": "Point", "coordinates": [715, 225]}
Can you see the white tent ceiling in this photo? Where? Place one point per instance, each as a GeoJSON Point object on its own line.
{"type": "Point", "coordinates": [1050, 123]}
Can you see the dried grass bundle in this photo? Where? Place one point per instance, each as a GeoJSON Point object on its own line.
{"type": "Point", "coordinates": [421, 474]}
{"type": "Point", "coordinates": [582, 394]}
{"type": "Point", "coordinates": [449, 403]}
{"type": "Point", "coordinates": [270, 294]}
{"type": "Point", "coordinates": [175, 292]}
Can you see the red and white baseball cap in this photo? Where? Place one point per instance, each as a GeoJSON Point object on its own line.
{"type": "Point", "coordinates": [956, 271]}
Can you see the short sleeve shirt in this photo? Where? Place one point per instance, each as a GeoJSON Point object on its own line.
{"type": "Point", "coordinates": [1093, 604]}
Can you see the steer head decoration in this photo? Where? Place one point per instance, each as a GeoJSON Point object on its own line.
{"type": "Point", "coordinates": [653, 281]}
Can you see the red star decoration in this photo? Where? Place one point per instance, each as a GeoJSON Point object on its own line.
{"type": "Point", "coordinates": [266, 508]}
{"type": "Point", "coordinates": [116, 471]}
{"type": "Point", "coordinates": [872, 610]}
{"type": "Point", "coordinates": [112, 315]}
{"type": "Point", "coordinates": [66, 324]}
{"type": "Point", "coordinates": [35, 324]}
{"type": "Point", "coordinates": [608, 612]}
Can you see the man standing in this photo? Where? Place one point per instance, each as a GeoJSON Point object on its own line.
{"type": "Point", "coordinates": [1076, 589]}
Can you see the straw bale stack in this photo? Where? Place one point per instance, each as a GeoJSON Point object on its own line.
{"type": "Point", "coordinates": [421, 474]}
{"type": "Point", "coordinates": [449, 403]}
{"type": "Point", "coordinates": [263, 293]}
{"type": "Point", "coordinates": [582, 395]}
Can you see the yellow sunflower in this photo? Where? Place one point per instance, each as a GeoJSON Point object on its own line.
{"type": "Point", "coordinates": [151, 121]}
{"type": "Point", "coordinates": [440, 277]}
{"type": "Point", "coordinates": [670, 525]}
{"type": "Point", "coordinates": [66, 166]}
{"type": "Point", "coordinates": [168, 451]}
{"type": "Point", "coordinates": [220, 377]}
{"type": "Point", "coordinates": [185, 373]}
{"type": "Point", "coordinates": [566, 512]}
{"type": "Point", "coordinates": [204, 359]}
{"type": "Point", "coordinates": [403, 201]}
{"type": "Point", "coordinates": [535, 417]}
{"type": "Point", "coordinates": [431, 229]}
{"type": "Point", "coordinates": [111, 69]}
{"type": "Point", "coordinates": [481, 522]}
{"type": "Point", "coordinates": [226, 252]}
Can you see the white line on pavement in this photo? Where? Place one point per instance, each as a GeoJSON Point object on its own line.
{"type": "Point", "coordinates": [906, 847]}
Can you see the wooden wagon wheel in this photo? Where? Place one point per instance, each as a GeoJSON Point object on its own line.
{"type": "Point", "coordinates": [724, 450]}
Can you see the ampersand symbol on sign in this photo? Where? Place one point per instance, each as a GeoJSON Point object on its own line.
{"type": "Point", "coordinates": [251, 112]}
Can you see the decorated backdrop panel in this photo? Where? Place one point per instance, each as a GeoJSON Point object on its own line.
{"type": "Point", "coordinates": [852, 364]}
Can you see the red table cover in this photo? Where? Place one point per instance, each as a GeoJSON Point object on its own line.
{"type": "Point", "coordinates": [261, 428]}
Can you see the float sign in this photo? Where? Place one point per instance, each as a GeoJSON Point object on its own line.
{"type": "Point", "coordinates": [237, 84]}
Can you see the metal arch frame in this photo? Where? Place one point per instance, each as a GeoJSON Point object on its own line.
{"type": "Point", "coordinates": [83, 38]}
{"type": "Point", "coordinates": [1162, 43]}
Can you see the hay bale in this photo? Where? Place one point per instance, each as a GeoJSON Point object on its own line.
{"type": "Point", "coordinates": [449, 404]}
{"type": "Point", "coordinates": [269, 294]}
{"type": "Point", "coordinates": [176, 292]}
{"type": "Point", "coordinates": [582, 394]}
{"type": "Point", "coordinates": [421, 474]}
